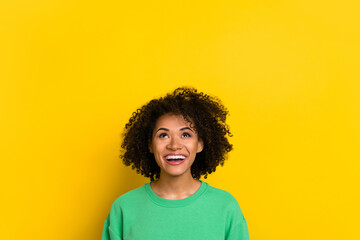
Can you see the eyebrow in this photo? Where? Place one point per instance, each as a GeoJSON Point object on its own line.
{"type": "Point", "coordinates": [181, 129]}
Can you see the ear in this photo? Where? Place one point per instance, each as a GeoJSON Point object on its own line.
{"type": "Point", "coordinates": [151, 148]}
{"type": "Point", "coordinates": [200, 146]}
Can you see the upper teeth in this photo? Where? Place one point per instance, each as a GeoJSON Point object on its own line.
{"type": "Point", "coordinates": [175, 157]}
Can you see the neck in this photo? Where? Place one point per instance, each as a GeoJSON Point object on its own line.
{"type": "Point", "coordinates": [174, 188]}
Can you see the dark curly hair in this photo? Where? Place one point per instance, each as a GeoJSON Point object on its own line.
{"type": "Point", "coordinates": [208, 117]}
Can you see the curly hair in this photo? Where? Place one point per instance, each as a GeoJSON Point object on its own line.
{"type": "Point", "coordinates": [208, 117]}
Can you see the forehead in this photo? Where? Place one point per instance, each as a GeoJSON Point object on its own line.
{"type": "Point", "coordinates": [172, 120]}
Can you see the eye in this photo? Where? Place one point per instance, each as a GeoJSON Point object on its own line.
{"type": "Point", "coordinates": [163, 135]}
{"type": "Point", "coordinates": [186, 135]}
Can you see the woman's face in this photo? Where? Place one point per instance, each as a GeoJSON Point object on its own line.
{"type": "Point", "coordinates": [174, 145]}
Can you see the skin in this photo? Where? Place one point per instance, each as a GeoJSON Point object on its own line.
{"type": "Point", "coordinates": [173, 134]}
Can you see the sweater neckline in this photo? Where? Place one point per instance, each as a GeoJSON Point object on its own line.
{"type": "Point", "coordinates": [175, 203]}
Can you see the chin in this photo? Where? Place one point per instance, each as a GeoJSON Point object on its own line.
{"type": "Point", "coordinates": [174, 174]}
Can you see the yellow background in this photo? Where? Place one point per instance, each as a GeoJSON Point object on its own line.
{"type": "Point", "coordinates": [72, 73]}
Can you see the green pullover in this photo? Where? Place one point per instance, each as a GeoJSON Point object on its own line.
{"type": "Point", "coordinates": [208, 214]}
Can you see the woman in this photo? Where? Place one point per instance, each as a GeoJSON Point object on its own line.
{"type": "Point", "coordinates": [174, 140]}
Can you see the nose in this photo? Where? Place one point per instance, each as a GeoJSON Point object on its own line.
{"type": "Point", "coordinates": [174, 143]}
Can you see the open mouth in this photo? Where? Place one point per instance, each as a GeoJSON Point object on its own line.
{"type": "Point", "coordinates": [175, 159]}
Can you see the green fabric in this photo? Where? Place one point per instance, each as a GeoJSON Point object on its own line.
{"type": "Point", "coordinates": [210, 213]}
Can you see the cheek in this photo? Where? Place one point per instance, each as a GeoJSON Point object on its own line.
{"type": "Point", "coordinates": [158, 145]}
{"type": "Point", "coordinates": [155, 145]}
{"type": "Point", "coordinates": [158, 149]}
{"type": "Point", "coordinates": [193, 148]}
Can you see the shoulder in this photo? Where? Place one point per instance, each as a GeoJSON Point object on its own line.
{"type": "Point", "coordinates": [220, 194]}
{"type": "Point", "coordinates": [132, 197]}
{"type": "Point", "coordinates": [221, 197]}
{"type": "Point", "coordinates": [228, 204]}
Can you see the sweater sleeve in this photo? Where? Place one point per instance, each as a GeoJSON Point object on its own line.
{"type": "Point", "coordinates": [236, 224]}
{"type": "Point", "coordinates": [113, 224]}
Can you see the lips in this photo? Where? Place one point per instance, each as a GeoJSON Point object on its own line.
{"type": "Point", "coordinates": [175, 159]}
